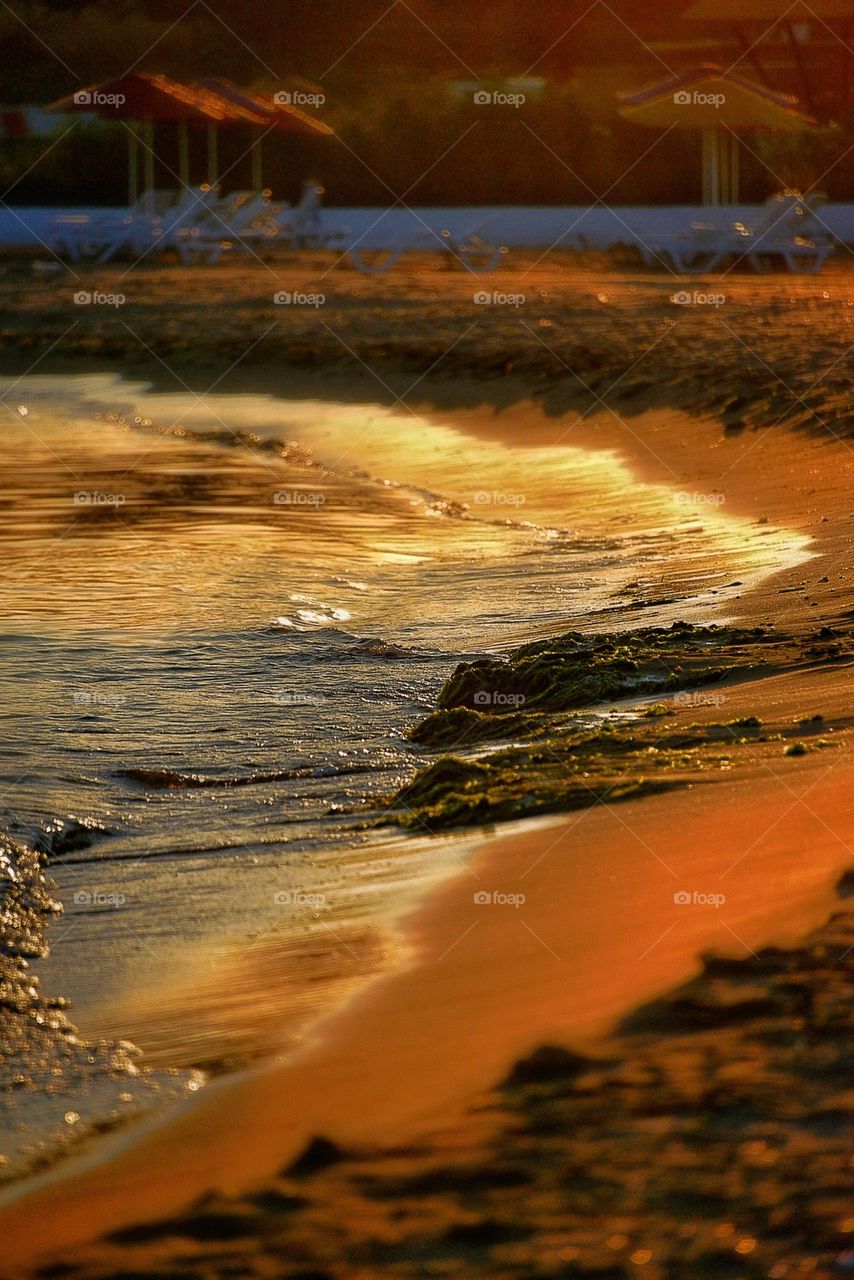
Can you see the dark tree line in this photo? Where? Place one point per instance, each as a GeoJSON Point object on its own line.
{"type": "Point", "coordinates": [394, 96]}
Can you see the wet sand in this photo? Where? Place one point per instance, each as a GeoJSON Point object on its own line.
{"type": "Point", "coordinates": [597, 935]}
{"type": "Point", "coordinates": [736, 1081]}
{"type": "Point", "coordinates": [599, 932]}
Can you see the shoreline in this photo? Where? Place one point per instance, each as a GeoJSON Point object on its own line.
{"type": "Point", "coordinates": [70, 1192]}
{"type": "Point", "coordinates": [772, 350]}
{"type": "Point", "coordinates": [239, 1130]}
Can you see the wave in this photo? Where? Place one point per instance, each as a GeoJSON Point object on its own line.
{"type": "Point", "coordinates": [173, 780]}
{"type": "Point", "coordinates": [338, 643]}
{"type": "Point", "coordinates": [71, 1085]}
{"type": "Point", "coordinates": [433, 503]}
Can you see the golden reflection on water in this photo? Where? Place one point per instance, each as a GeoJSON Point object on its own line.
{"type": "Point", "coordinates": [116, 519]}
{"type": "Point", "coordinates": [118, 531]}
{"type": "Point", "coordinates": [356, 519]}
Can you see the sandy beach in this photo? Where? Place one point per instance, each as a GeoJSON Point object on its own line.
{"type": "Point", "coordinates": [705, 907]}
{"type": "Point", "coordinates": [754, 351]}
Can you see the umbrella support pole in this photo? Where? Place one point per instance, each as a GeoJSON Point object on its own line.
{"type": "Point", "coordinates": [728, 158]}
{"type": "Point", "coordinates": [133, 165]}
{"type": "Point", "coordinates": [148, 164]}
{"type": "Point", "coordinates": [213, 163]}
{"type": "Point", "coordinates": [183, 154]}
{"type": "Point", "coordinates": [257, 165]}
{"type": "Point", "coordinates": [711, 168]}
{"type": "Point", "coordinates": [734, 167]}
{"type": "Point", "coordinates": [721, 168]}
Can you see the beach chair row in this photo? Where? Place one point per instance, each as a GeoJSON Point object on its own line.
{"type": "Point", "coordinates": [200, 226]}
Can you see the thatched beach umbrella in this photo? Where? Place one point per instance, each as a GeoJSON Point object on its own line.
{"type": "Point", "coordinates": [719, 105]}
{"type": "Point", "coordinates": [147, 100]}
{"type": "Point", "coordinates": [281, 116]}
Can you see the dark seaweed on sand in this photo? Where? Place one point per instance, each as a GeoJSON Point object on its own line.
{"type": "Point", "coordinates": [556, 761]}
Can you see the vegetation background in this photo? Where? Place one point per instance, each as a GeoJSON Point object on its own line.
{"type": "Point", "coordinates": [398, 80]}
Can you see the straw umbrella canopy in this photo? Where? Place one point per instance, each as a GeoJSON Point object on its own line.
{"type": "Point", "coordinates": [283, 117]}
{"type": "Point", "coordinates": [147, 100]}
{"type": "Point", "coordinates": [719, 105]}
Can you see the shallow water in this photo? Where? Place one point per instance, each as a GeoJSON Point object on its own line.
{"type": "Point", "coordinates": [220, 616]}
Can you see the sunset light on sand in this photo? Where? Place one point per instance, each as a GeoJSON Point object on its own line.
{"type": "Point", "coordinates": [426, 790]}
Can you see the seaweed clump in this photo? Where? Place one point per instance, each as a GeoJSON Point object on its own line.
{"type": "Point", "coordinates": [574, 670]}
{"type": "Point", "coordinates": [556, 760]}
{"type": "Point", "coordinates": [519, 782]}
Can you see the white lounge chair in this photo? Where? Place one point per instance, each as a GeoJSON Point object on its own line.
{"type": "Point", "coordinates": [787, 232]}
{"type": "Point", "coordinates": [240, 221]}
{"type": "Point", "coordinates": [302, 227]}
{"type": "Point", "coordinates": [467, 247]}
{"type": "Point", "coordinates": [143, 236]}
{"type": "Point", "coordinates": [199, 226]}
{"type": "Point", "coordinates": [144, 227]}
{"type": "Point", "coordinates": [790, 232]}
{"type": "Point", "coordinates": [250, 223]}
{"type": "Point", "coordinates": [83, 236]}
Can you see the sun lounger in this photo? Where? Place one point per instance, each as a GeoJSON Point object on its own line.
{"type": "Point", "coordinates": [249, 223]}
{"type": "Point", "coordinates": [143, 228]}
{"type": "Point", "coordinates": [303, 225]}
{"type": "Point", "coordinates": [79, 237]}
{"type": "Point", "coordinates": [240, 221]}
{"type": "Point", "coordinates": [147, 236]}
{"type": "Point", "coordinates": [787, 231]}
{"type": "Point", "coordinates": [791, 233]}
